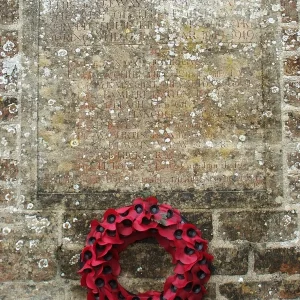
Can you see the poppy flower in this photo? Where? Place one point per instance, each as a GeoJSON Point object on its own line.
{"type": "Point", "coordinates": [110, 219]}
{"type": "Point", "coordinates": [111, 237]}
{"type": "Point", "coordinates": [123, 226]}
{"type": "Point", "coordinates": [144, 223]}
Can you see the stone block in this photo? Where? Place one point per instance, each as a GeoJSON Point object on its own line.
{"type": "Point", "coordinates": [277, 260]}
{"type": "Point", "coordinates": [290, 39]}
{"type": "Point", "coordinates": [9, 61]}
{"type": "Point", "coordinates": [8, 194]}
{"type": "Point", "coordinates": [294, 187]}
{"type": "Point", "coordinates": [258, 227]}
{"type": "Point", "coordinates": [32, 291]}
{"type": "Point", "coordinates": [250, 290]}
{"type": "Point", "coordinates": [8, 142]}
{"type": "Point", "coordinates": [292, 93]}
{"type": "Point", "coordinates": [292, 66]}
{"type": "Point", "coordinates": [8, 108]}
{"type": "Point", "coordinates": [68, 261]}
{"type": "Point", "coordinates": [29, 243]}
{"type": "Point", "coordinates": [230, 261]}
{"type": "Point", "coordinates": [290, 289]}
{"type": "Point", "coordinates": [9, 13]}
{"type": "Point", "coordinates": [292, 125]}
{"type": "Point", "coordinates": [8, 169]}
{"type": "Point", "coordinates": [289, 11]}
{"type": "Point", "coordinates": [9, 44]}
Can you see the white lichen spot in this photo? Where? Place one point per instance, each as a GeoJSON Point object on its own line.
{"type": "Point", "coordinates": [139, 269]}
{"type": "Point", "coordinates": [43, 263]}
{"type": "Point", "coordinates": [74, 143]}
{"type": "Point", "coordinates": [8, 46]}
{"type": "Point", "coordinates": [274, 89]}
{"type": "Point", "coordinates": [67, 225]}
{"type": "Point", "coordinates": [74, 259]}
{"type": "Point", "coordinates": [19, 244]}
{"type": "Point", "coordinates": [286, 220]}
{"type": "Point", "coordinates": [242, 138]}
{"type": "Point", "coordinates": [36, 223]}
{"type": "Point", "coordinates": [147, 185]}
{"type": "Point", "coordinates": [6, 230]}
{"type": "Point", "coordinates": [209, 144]}
{"type": "Point", "coordinates": [33, 243]}
{"type": "Point", "coordinates": [276, 7]}
{"type": "Point", "coordinates": [167, 140]}
{"type": "Point", "coordinates": [77, 50]}
{"type": "Point", "coordinates": [240, 279]}
{"type": "Point", "coordinates": [271, 20]}
{"type": "Point", "coordinates": [29, 206]}
{"type": "Point", "coordinates": [62, 52]}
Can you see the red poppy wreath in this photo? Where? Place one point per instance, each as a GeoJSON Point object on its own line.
{"type": "Point", "coordinates": [123, 226]}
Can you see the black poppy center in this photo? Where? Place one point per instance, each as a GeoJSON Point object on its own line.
{"type": "Point", "coordinates": [189, 251]}
{"type": "Point", "coordinates": [92, 240]}
{"type": "Point", "coordinates": [124, 214]}
{"type": "Point", "coordinates": [146, 221]}
{"type": "Point", "coordinates": [99, 228]}
{"type": "Point", "coordinates": [180, 276]}
{"type": "Point", "coordinates": [202, 262]}
{"type": "Point", "coordinates": [107, 270]}
{"type": "Point", "coordinates": [99, 282]}
{"type": "Point", "coordinates": [201, 275]}
{"type": "Point", "coordinates": [88, 255]}
{"type": "Point", "coordinates": [138, 208]}
{"type": "Point", "coordinates": [108, 256]}
{"type": "Point", "coordinates": [178, 234]}
{"type": "Point", "coordinates": [198, 246]}
{"type": "Point", "coordinates": [111, 219]}
{"type": "Point", "coordinates": [100, 247]}
{"type": "Point", "coordinates": [197, 289]}
{"type": "Point", "coordinates": [173, 288]}
{"type": "Point", "coordinates": [111, 233]}
{"type": "Point", "coordinates": [191, 233]}
{"type": "Point", "coordinates": [170, 214]}
{"type": "Point", "coordinates": [113, 284]}
{"type": "Point", "coordinates": [188, 287]}
{"type": "Point", "coordinates": [154, 209]}
{"type": "Point", "coordinates": [127, 223]}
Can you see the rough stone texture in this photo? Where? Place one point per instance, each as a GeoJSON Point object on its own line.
{"type": "Point", "coordinates": [250, 290]}
{"type": "Point", "coordinates": [196, 102]}
{"type": "Point", "coordinates": [231, 261]}
{"type": "Point", "coordinates": [292, 93]}
{"type": "Point", "coordinates": [258, 227]}
{"type": "Point", "coordinates": [277, 260]}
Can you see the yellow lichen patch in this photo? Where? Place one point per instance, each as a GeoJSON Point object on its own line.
{"type": "Point", "coordinates": [47, 91]}
{"type": "Point", "coordinates": [44, 61]}
{"type": "Point", "coordinates": [246, 289]}
{"type": "Point", "coordinates": [226, 152]}
{"type": "Point", "coordinates": [65, 166]}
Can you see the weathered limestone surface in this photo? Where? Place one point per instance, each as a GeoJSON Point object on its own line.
{"type": "Point", "coordinates": [194, 101]}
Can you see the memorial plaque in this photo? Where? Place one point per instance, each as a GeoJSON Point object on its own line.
{"type": "Point", "coordinates": [152, 93]}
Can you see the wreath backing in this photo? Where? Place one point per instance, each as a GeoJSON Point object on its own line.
{"type": "Point", "coordinates": [123, 226]}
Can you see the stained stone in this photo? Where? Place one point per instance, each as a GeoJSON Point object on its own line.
{"type": "Point", "coordinates": [147, 93]}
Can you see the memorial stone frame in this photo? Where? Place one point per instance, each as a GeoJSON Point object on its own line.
{"type": "Point", "coordinates": [156, 94]}
{"type": "Point", "coordinates": [193, 101]}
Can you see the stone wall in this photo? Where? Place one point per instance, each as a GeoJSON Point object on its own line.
{"type": "Point", "coordinates": [196, 102]}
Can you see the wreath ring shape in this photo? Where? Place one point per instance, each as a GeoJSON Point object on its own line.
{"type": "Point", "coordinates": [123, 226]}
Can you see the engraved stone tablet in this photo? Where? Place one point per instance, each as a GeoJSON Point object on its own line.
{"type": "Point", "coordinates": [152, 93]}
